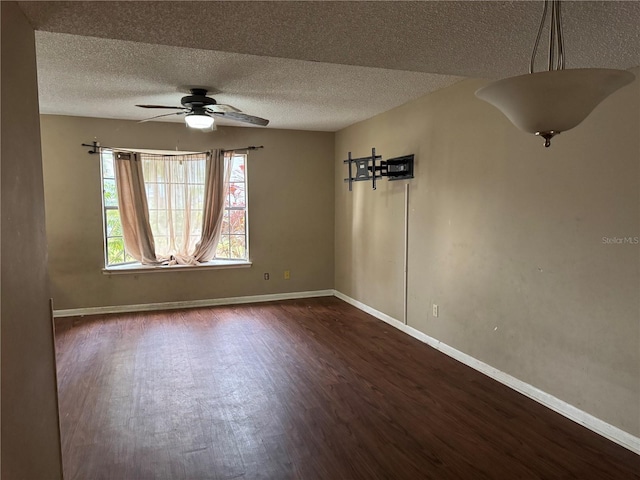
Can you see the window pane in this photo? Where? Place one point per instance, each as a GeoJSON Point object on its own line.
{"type": "Point", "coordinates": [146, 170]}
{"type": "Point", "coordinates": [236, 195]}
{"type": "Point", "coordinates": [107, 165]}
{"type": "Point", "coordinates": [161, 194]}
{"type": "Point", "coordinates": [194, 171]}
{"type": "Point", "coordinates": [177, 169]}
{"type": "Point", "coordinates": [156, 196]}
{"type": "Point", "coordinates": [115, 250]}
{"type": "Point", "coordinates": [193, 241]}
{"type": "Point", "coordinates": [178, 196]}
{"type": "Point", "coordinates": [233, 242]}
{"type": "Point", "coordinates": [196, 223]}
{"type": "Point", "coordinates": [237, 169]}
{"type": "Point", "coordinates": [152, 195]}
{"type": "Point", "coordinates": [153, 219]}
{"type": "Point", "coordinates": [225, 222]}
{"type": "Point", "coordinates": [223, 247]}
{"type": "Point", "coordinates": [236, 221]}
{"type": "Point", "coordinates": [110, 193]}
{"type": "Point", "coordinates": [178, 222]}
{"type": "Point", "coordinates": [196, 193]}
{"type": "Point", "coordinates": [237, 246]}
{"type": "Point", "coordinates": [114, 227]}
{"type": "Point", "coordinates": [162, 244]}
{"type": "Point", "coordinates": [159, 224]}
{"type": "Point", "coordinates": [157, 171]}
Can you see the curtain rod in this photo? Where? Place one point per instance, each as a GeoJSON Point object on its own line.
{"type": "Point", "coordinates": [250, 147]}
{"type": "Point", "coordinates": [95, 146]}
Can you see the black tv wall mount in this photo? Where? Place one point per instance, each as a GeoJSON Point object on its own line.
{"type": "Point", "coordinates": [373, 168]}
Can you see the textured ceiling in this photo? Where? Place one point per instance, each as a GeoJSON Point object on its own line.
{"type": "Point", "coordinates": [307, 65]}
{"type": "Point", "coordinates": [106, 78]}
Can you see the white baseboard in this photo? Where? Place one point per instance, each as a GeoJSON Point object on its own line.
{"type": "Point", "coordinates": [148, 307]}
{"type": "Point", "coordinates": [581, 417]}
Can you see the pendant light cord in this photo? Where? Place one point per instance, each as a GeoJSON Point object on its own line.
{"type": "Point", "coordinates": [552, 37]}
{"type": "Point", "coordinates": [560, 65]}
{"type": "Point", "coordinates": [556, 40]}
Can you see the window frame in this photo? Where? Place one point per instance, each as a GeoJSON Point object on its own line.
{"type": "Point", "coordinates": [105, 209]}
{"type": "Point", "coordinates": [245, 208]}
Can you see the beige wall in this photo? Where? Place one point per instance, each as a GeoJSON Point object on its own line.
{"type": "Point", "coordinates": [30, 441]}
{"type": "Point", "coordinates": [290, 194]}
{"type": "Point", "coordinates": [506, 237]}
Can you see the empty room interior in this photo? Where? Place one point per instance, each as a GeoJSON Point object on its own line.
{"type": "Point", "coordinates": [320, 240]}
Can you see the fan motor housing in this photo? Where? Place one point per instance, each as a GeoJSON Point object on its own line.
{"type": "Point", "coordinates": [198, 98]}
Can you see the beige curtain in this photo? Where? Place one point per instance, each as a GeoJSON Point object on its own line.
{"type": "Point", "coordinates": [134, 213]}
{"type": "Point", "coordinates": [171, 206]}
{"type": "Point", "coordinates": [216, 190]}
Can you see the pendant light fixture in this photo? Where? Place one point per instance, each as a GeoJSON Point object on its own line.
{"type": "Point", "coordinates": [553, 101]}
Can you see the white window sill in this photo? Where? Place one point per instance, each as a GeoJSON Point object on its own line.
{"type": "Point", "coordinates": [136, 268]}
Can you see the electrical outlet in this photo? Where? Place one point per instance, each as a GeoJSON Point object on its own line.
{"type": "Point", "coordinates": [287, 274]}
{"type": "Point", "coordinates": [266, 276]}
{"type": "Point", "coordinates": [435, 310]}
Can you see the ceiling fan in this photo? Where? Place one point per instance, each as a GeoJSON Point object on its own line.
{"type": "Point", "coordinates": [200, 111]}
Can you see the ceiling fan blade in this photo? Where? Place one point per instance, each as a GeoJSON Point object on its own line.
{"type": "Point", "coordinates": [160, 116]}
{"type": "Point", "coordinates": [243, 117]}
{"type": "Point", "coordinates": [222, 108]}
{"type": "Point", "coordinates": [160, 106]}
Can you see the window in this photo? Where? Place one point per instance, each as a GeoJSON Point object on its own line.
{"type": "Point", "coordinates": [161, 189]}
{"type": "Point", "coordinates": [233, 239]}
{"type": "Point", "coordinates": [115, 253]}
{"type": "Point", "coordinates": [175, 188]}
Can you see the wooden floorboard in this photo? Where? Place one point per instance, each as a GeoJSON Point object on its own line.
{"type": "Point", "coordinates": [300, 389]}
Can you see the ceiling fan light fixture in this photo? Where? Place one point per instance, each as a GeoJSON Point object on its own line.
{"type": "Point", "coordinates": [554, 101]}
{"type": "Point", "coordinates": [199, 120]}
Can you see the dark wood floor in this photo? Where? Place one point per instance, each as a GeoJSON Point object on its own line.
{"type": "Point", "coordinates": [307, 389]}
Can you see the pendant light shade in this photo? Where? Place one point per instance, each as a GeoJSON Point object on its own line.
{"type": "Point", "coordinates": [547, 103]}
